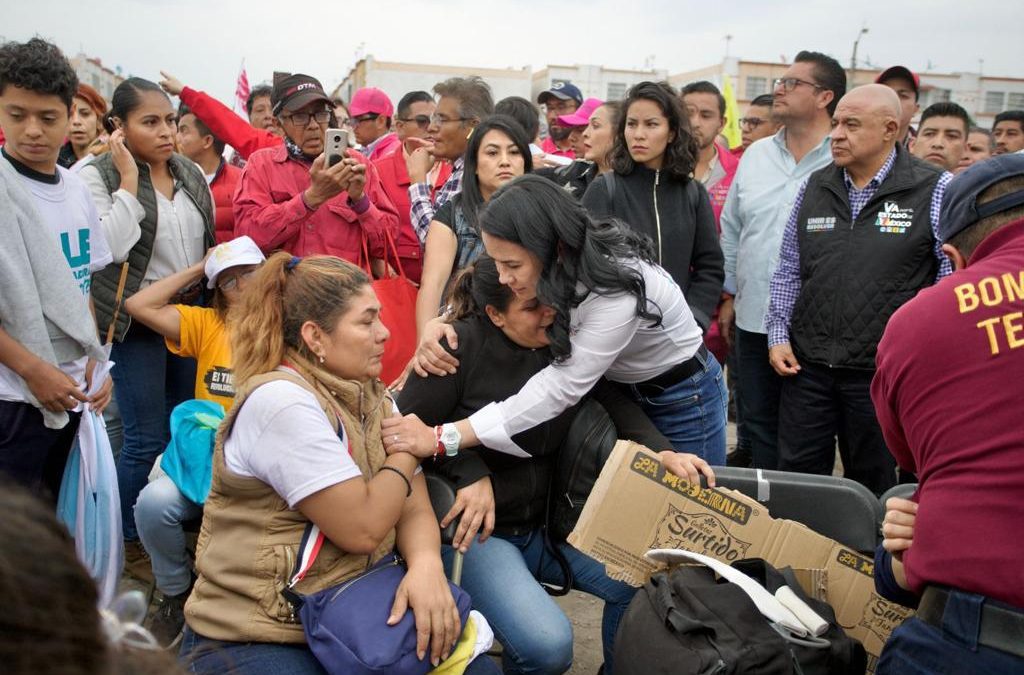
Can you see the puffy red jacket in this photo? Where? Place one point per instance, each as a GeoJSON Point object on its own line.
{"type": "Point", "coordinates": [394, 178]}
{"type": "Point", "coordinates": [226, 125]}
{"type": "Point", "coordinates": [223, 188]}
{"type": "Point", "coordinates": [268, 206]}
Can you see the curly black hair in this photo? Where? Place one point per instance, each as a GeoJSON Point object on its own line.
{"type": "Point", "coordinates": [39, 66]}
{"type": "Point", "coordinates": [681, 153]}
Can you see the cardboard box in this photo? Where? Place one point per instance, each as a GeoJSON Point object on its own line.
{"type": "Point", "coordinates": [636, 506]}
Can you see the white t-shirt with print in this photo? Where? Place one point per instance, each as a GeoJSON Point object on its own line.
{"type": "Point", "coordinates": [67, 209]}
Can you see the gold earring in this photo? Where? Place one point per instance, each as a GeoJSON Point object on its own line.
{"type": "Point", "coordinates": [321, 357]}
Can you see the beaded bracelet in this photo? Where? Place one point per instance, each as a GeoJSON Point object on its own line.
{"type": "Point", "coordinates": [408, 485]}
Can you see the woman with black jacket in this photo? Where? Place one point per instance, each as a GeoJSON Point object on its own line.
{"type": "Point", "coordinates": [651, 188]}
{"type": "Point", "coordinates": [499, 492]}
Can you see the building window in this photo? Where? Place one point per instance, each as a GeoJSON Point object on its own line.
{"type": "Point", "coordinates": [755, 87]}
{"type": "Point", "coordinates": [940, 96]}
{"type": "Point", "coordinates": [616, 91]}
{"type": "Point", "coordinates": [994, 101]}
{"type": "Point", "coordinates": [1015, 102]}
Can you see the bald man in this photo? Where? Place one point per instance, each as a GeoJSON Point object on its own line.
{"type": "Point", "coordinates": [861, 241]}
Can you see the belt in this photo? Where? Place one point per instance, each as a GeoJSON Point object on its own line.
{"type": "Point", "coordinates": [675, 374]}
{"type": "Point", "coordinates": [1001, 627]}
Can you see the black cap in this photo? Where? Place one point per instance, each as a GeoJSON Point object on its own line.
{"type": "Point", "coordinates": [960, 208]}
{"type": "Point", "coordinates": [292, 92]}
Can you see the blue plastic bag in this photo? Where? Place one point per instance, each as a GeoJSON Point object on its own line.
{"type": "Point", "coordinates": [188, 459]}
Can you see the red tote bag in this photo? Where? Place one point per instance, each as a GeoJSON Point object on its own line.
{"type": "Point", "coordinates": [397, 296]}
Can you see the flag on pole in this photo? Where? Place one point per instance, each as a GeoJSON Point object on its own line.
{"type": "Point", "coordinates": [241, 91]}
{"type": "Point", "coordinates": [732, 113]}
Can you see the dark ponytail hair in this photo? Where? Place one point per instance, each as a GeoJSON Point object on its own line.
{"type": "Point", "coordinates": [472, 200]}
{"type": "Point", "coordinates": [681, 152]}
{"type": "Point", "coordinates": [538, 215]}
{"type": "Point", "coordinates": [127, 97]}
{"type": "Point", "coordinates": [476, 287]}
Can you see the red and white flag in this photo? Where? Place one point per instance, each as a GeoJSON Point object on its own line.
{"type": "Point", "coordinates": [241, 91]}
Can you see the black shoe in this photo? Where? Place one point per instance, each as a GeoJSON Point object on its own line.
{"type": "Point", "coordinates": [169, 621]}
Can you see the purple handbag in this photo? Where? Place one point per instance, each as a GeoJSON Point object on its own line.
{"type": "Point", "coordinates": [346, 625]}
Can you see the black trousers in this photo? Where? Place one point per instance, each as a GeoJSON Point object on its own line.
{"type": "Point", "coordinates": [820, 404]}
{"type": "Point", "coordinates": [759, 389]}
{"type": "Point", "coordinates": [31, 454]}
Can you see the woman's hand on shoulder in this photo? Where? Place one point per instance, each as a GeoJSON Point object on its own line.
{"type": "Point", "coordinates": [430, 357]}
{"type": "Point", "coordinates": [476, 504]}
{"type": "Point", "coordinates": [425, 590]}
{"type": "Point", "coordinates": [687, 466]}
{"type": "Point", "coordinates": [408, 434]}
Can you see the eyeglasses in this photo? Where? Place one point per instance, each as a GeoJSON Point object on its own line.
{"type": "Point", "coordinates": [365, 118]}
{"type": "Point", "coordinates": [441, 119]}
{"type": "Point", "coordinates": [752, 122]}
{"type": "Point", "coordinates": [422, 121]}
{"type": "Point", "coordinates": [232, 283]}
{"type": "Point", "coordinates": [302, 119]}
{"type": "Point", "coordinates": [790, 83]}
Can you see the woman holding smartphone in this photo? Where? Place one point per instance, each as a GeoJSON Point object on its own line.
{"type": "Point", "coordinates": [157, 213]}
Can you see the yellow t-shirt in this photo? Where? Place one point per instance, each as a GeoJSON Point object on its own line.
{"type": "Point", "coordinates": [205, 338]}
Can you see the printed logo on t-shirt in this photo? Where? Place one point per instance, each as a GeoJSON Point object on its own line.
{"type": "Point", "coordinates": [219, 382]}
{"type": "Point", "coordinates": [820, 224]}
{"type": "Point", "coordinates": [894, 220]}
{"type": "Point", "coordinates": [78, 257]}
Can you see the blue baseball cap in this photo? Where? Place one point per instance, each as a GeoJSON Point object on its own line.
{"type": "Point", "coordinates": [564, 90]}
{"type": "Point", "coordinates": [960, 208]}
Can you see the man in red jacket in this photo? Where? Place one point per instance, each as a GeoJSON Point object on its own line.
{"type": "Point", "coordinates": [197, 142]}
{"type": "Point", "coordinates": [288, 198]}
{"type": "Point", "coordinates": [412, 120]}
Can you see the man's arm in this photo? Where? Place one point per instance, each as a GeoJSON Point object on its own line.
{"type": "Point", "coordinates": [51, 386]}
{"type": "Point", "coordinates": [945, 267]}
{"type": "Point", "coordinates": [783, 292]}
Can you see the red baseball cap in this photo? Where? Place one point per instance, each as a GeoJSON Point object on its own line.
{"type": "Point", "coordinates": [371, 100]}
{"type": "Point", "coordinates": [901, 72]}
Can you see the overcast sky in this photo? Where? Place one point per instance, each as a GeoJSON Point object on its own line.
{"type": "Point", "coordinates": [203, 42]}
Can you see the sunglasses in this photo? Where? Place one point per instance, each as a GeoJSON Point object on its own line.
{"type": "Point", "coordinates": [422, 121]}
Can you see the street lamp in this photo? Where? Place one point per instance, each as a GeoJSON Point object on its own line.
{"type": "Point", "coordinates": [853, 59]}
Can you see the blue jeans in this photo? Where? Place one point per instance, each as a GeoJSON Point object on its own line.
{"type": "Point", "coordinates": [918, 648]}
{"type": "Point", "coordinates": [148, 382]}
{"type": "Point", "coordinates": [216, 657]}
{"type": "Point", "coordinates": [691, 413]}
{"type": "Point", "coordinates": [501, 575]}
{"type": "Point", "coordinates": [159, 514]}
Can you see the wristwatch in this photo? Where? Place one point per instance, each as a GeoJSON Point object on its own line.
{"type": "Point", "coordinates": [448, 440]}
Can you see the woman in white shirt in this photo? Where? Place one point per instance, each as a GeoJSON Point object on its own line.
{"type": "Point", "coordinates": [157, 215]}
{"type": "Point", "coordinates": [618, 315]}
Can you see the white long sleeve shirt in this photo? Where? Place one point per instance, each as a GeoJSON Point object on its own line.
{"type": "Point", "coordinates": [609, 339]}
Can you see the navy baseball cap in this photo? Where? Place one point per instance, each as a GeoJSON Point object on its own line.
{"type": "Point", "coordinates": [563, 90]}
{"type": "Point", "coordinates": [960, 208]}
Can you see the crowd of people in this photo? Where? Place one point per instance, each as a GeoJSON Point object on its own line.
{"type": "Point", "coordinates": [849, 278]}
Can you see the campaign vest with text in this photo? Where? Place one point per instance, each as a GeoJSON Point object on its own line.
{"type": "Point", "coordinates": [856, 273]}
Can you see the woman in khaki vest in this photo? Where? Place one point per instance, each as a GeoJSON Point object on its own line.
{"type": "Point", "coordinates": [303, 443]}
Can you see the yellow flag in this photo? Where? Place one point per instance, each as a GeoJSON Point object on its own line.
{"type": "Point", "coordinates": [732, 113]}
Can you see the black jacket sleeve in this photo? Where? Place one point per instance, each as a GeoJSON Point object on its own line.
{"type": "Point", "coordinates": [597, 200]}
{"type": "Point", "coordinates": [707, 264]}
{"type": "Point", "coordinates": [630, 420]}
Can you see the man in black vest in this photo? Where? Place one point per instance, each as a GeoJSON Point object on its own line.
{"type": "Point", "coordinates": [860, 242]}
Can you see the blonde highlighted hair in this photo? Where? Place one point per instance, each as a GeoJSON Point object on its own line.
{"type": "Point", "coordinates": [284, 294]}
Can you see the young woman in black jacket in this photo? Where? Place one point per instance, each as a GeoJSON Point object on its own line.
{"type": "Point", "coordinates": [652, 189]}
{"type": "Point", "coordinates": [507, 495]}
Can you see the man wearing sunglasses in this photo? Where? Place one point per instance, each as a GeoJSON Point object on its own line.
{"type": "Point", "coordinates": [289, 198]}
{"type": "Point", "coordinates": [412, 121]}
{"type": "Point", "coordinates": [371, 114]}
{"type": "Point", "coordinates": [755, 213]}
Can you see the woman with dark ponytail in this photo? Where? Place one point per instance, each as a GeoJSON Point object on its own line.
{"type": "Point", "coordinates": [503, 341]}
{"type": "Point", "coordinates": [157, 214]}
{"type": "Point", "coordinates": [617, 315]}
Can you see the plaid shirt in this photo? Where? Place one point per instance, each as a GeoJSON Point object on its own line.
{"type": "Point", "coordinates": [785, 285]}
{"type": "Point", "coordinates": [421, 208]}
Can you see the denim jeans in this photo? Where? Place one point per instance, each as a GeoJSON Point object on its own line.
{"type": "Point", "coordinates": [148, 382]}
{"type": "Point", "coordinates": [216, 657]}
{"type": "Point", "coordinates": [159, 514]}
{"type": "Point", "coordinates": [501, 576]}
{"type": "Point", "coordinates": [759, 391]}
{"type": "Point", "coordinates": [691, 413]}
{"type": "Point", "coordinates": [918, 648]}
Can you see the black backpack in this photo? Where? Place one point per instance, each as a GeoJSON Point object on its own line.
{"type": "Point", "coordinates": [685, 622]}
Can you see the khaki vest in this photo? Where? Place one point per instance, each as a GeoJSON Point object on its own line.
{"type": "Point", "coordinates": [249, 537]}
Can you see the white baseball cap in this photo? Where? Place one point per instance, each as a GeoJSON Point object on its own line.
{"type": "Point", "coordinates": [240, 251]}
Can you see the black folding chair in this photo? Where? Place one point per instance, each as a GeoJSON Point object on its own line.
{"type": "Point", "coordinates": [903, 490]}
{"type": "Point", "coordinates": [833, 506]}
{"type": "Point", "coordinates": [442, 498]}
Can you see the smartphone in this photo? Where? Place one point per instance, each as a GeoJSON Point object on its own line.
{"type": "Point", "coordinates": [336, 146]}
